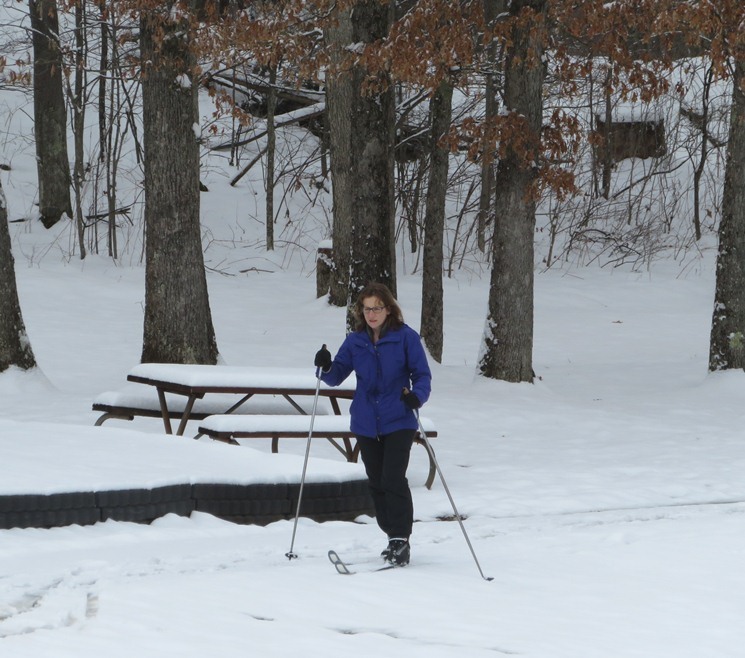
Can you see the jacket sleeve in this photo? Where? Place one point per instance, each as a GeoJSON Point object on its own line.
{"type": "Point", "coordinates": [341, 366]}
{"type": "Point", "coordinates": [421, 375]}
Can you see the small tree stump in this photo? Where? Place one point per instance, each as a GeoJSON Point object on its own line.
{"type": "Point", "coordinates": [324, 267]}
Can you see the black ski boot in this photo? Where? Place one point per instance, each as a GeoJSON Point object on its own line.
{"type": "Point", "coordinates": [398, 552]}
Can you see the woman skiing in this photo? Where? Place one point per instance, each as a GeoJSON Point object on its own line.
{"type": "Point", "coordinates": [393, 380]}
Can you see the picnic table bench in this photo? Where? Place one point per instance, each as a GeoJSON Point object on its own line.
{"type": "Point", "coordinates": [229, 428]}
{"type": "Point", "coordinates": [133, 400]}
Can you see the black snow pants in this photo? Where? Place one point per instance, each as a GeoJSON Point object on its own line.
{"type": "Point", "coordinates": [386, 459]}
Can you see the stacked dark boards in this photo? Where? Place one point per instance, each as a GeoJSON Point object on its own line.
{"type": "Point", "coordinates": [264, 503]}
{"type": "Point", "coordinates": [254, 503]}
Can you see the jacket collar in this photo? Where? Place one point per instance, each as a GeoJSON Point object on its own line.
{"type": "Point", "coordinates": [383, 332]}
{"type": "Point", "coordinates": [386, 335]}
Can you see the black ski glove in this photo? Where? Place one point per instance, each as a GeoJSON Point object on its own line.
{"type": "Point", "coordinates": [410, 400]}
{"type": "Point", "coordinates": [323, 359]}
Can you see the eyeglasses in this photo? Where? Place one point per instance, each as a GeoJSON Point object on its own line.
{"type": "Point", "coordinates": [375, 310]}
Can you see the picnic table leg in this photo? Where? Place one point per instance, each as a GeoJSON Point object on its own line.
{"type": "Point", "coordinates": [164, 411]}
{"type": "Point", "coordinates": [185, 416]}
{"type": "Point", "coordinates": [109, 414]}
{"type": "Point", "coordinates": [346, 450]}
{"type": "Point", "coordinates": [231, 409]}
{"type": "Point", "coordinates": [298, 408]}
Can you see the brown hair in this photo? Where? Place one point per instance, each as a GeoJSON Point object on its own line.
{"type": "Point", "coordinates": [379, 290]}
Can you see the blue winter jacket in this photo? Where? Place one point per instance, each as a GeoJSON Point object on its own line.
{"type": "Point", "coordinates": [396, 362]}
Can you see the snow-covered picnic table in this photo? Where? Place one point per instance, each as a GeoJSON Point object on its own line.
{"type": "Point", "coordinates": [191, 392]}
{"type": "Point", "coordinates": [242, 403]}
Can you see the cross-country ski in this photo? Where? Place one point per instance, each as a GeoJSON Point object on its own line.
{"type": "Point", "coordinates": [350, 569]}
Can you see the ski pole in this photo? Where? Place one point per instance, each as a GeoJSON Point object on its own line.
{"type": "Point", "coordinates": [290, 554]}
{"type": "Point", "coordinates": [431, 452]}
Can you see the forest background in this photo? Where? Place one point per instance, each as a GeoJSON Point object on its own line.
{"type": "Point", "coordinates": [445, 136]}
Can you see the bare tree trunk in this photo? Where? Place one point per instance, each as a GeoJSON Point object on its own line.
{"type": "Point", "coordinates": [114, 140]}
{"type": "Point", "coordinates": [339, 93]}
{"type": "Point", "coordinates": [178, 323]}
{"type": "Point", "coordinates": [434, 222]}
{"type": "Point", "coordinates": [15, 348]}
{"type": "Point", "coordinates": [487, 176]}
{"type": "Point", "coordinates": [704, 154]}
{"type": "Point", "coordinates": [78, 123]}
{"type": "Point", "coordinates": [409, 189]}
{"type": "Point", "coordinates": [362, 125]}
{"type": "Point", "coordinates": [103, 67]}
{"type": "Point", "coordinates": [50, 119]}
{"type": "Point", "coordinates": [112, 168]}
{"type": "Point", "coordinates": [607, 160]}
{"type": "Point", "coordinates": [373, 141]}
{"type": "Point", "coordinates": [491, 10]}
{"type": "Point", "coordinates": [727, 343]}
{"type": "Point", "coordinates": [508, 338]}
{"type": "Point", "coordinates": [325, 137]}
{"type": "Point", "coordinates": [271, 144]}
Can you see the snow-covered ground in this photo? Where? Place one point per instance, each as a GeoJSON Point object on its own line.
{"type": "Point", "coordinates": [605, 500]}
